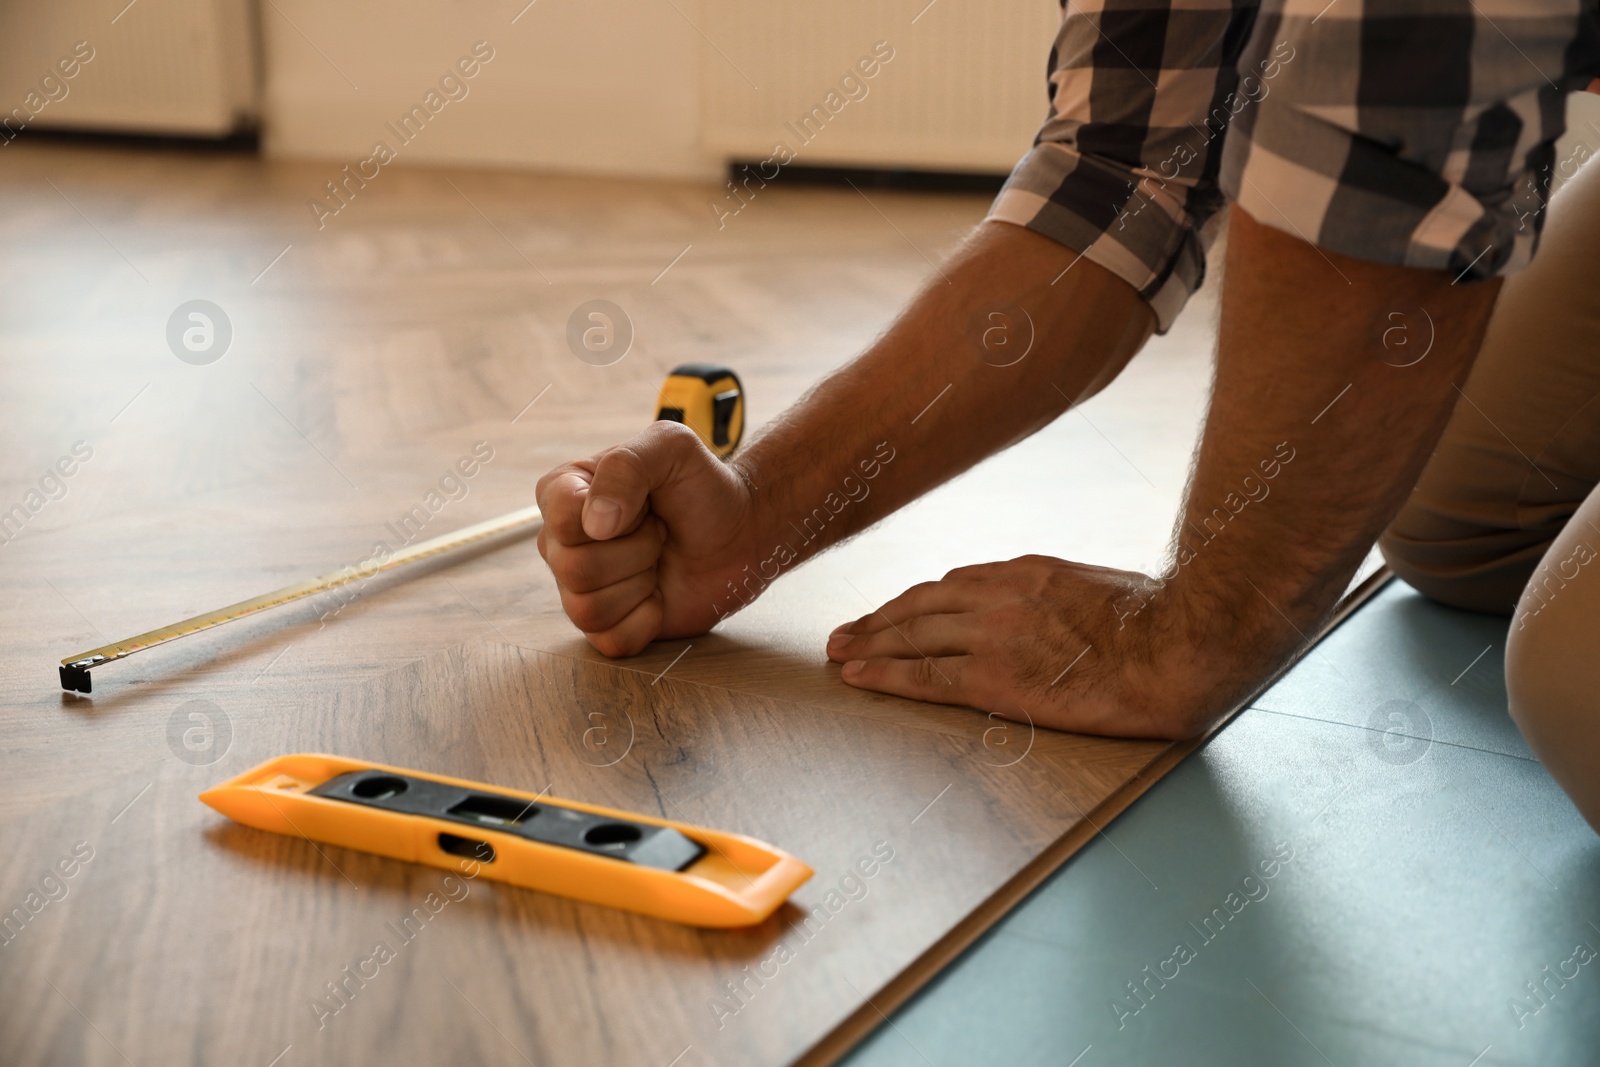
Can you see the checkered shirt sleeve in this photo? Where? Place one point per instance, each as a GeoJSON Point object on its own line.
{"type": "Point", "coordinates": [1410, 132]}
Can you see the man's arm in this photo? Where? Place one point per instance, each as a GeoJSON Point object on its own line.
{"type": "Point", "coordinates": [1303, 361]}
{"type": "Point", "coordinates": [657, 538]}
{"type": "Point", "coordinates": [1310, 446]}
{"type": "Point", "coordinates": [948, 384]}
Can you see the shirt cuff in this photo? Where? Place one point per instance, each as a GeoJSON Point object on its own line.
{"type": "Point", "coordinates": [1128, 220]}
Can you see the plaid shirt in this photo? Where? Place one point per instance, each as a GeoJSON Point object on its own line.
{"type": "Point", "coordinates": [1411, 132]}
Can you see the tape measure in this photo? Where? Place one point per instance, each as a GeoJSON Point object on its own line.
{"type": "Point", "coordinates": [669, 870]}
{"type": "Point", "coordinates": [706, 398]}
{"type": "Point", "coordinates": [709, 400]}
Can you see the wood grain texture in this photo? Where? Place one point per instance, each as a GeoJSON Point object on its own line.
{"type": "Point", "coordinates": [226, 921]}
{"type": "Point", "coordinates": [871, 1014]}
{"type": "Point", "coordinates": [365, 361]}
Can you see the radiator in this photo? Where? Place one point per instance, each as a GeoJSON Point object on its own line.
{"type": "Point", "coordinates": [965, 89]}
{"type": "Point", "coordinates": [186, 67]}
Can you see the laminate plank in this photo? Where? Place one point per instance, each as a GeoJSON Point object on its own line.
{"type": "Point", "coordinates": [365, 362]}
{"type": "Point", "coordinates": [184, 908]}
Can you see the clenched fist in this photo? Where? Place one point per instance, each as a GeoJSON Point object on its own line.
{"type": "Point", "coordinates": [643, 538]}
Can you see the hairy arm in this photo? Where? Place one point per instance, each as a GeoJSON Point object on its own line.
{"type": "Point", "coordinates": [947, 385]}
{"type": "Point", "coordinates": [1315, 361]}
{"type": "Point", "coordinates": [1311, 444]}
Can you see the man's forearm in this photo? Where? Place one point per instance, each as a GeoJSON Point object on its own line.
{"type": "Point", "coordinates": [940, 388]}
{"type": "Point", "coordinates": [1321, 419]}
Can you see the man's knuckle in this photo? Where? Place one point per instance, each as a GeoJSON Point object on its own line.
{"type": "Point", "coordinates": [674, 435]}
{"type": "Point", "coordinates": [1008, 617]}
{"type": "Point", "coordinates": [582, 572]}
{"type": "Point", "coordinates": [563, 520]}
{"type": "Point", "coordinates": [586, 612]}
{"type": "Point", "coordinates": [627, 455]}
{"type": "Point", "coordinates": [926, 674]}
{"type": "Point", "coordinates": [863, 646]}
{"type": "Point", "coordinates": [549, 479]}
{"type": "Point", "coordinates": [607, 643]}
{"type": "Point", "coordinates": [915, 628]}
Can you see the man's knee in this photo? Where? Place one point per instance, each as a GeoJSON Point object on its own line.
{"type": "Point", "coordinates": [1412, 560]}
{"type": "Point", "coordinates": [1466, 571]}
{"type": "Point", "coordinates": [1552, 674]}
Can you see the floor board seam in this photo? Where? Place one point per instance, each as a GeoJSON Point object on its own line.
{"type": "Point", "coordinates": [1368, 729]}
{"type": "Point", "coordinates": [901, 987]}
{"type": "Point", "coordinates": [766, 696]}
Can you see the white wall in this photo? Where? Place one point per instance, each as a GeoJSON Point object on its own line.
{"type": "Point", "coordinates": [614, 86]}
{"type": "Point", "coordinates": [179, 66]}
{"type": "Point", "coordinates": [596, 86]}
{"type": "Point", "coordinates": [1582, 139]}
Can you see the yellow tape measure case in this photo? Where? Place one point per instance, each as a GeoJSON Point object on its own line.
{"type": "Point", "coordinates": [709, 400]}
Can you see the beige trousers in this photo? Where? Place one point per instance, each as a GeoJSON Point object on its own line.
{"type": "Point", "coordinates": [1506, 516]}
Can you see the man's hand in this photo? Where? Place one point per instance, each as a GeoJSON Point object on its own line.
{"type": "Point", "coordinates": [642, 538]}
{"type": "Point", "coordinates": [1037, 640]}
{"type": "Point", "coordinates": [689, 524]}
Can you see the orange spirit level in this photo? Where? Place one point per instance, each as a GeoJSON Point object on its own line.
{"type": "Point", "coordinates": [670, 870]}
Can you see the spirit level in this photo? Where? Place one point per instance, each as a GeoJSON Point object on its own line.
{"type": "Point", "coordinates": [707, 398]}
{"type": "Point", "coordinates": [669, 870]}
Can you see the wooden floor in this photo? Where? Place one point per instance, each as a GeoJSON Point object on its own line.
{"type": "Point", "coordinates": [366, 359]}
